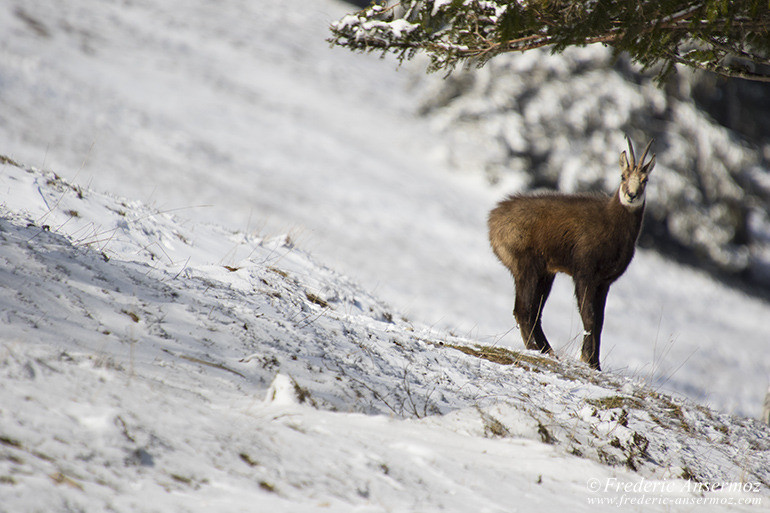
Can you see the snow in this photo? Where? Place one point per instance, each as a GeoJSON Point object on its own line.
{"type": "Point", "coordinates": [399, 27]}
{"type": "Point", "coordinates": [156, 355]}
{"type": "Point", "coordinates": [141, 369]}
{"type": "Point", "coordinates": [438, 4]}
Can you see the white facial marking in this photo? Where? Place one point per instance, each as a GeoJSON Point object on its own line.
{"type": "Point", "coordinates": [632, 203]}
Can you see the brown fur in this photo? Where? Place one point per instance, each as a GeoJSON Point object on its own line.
{"type": "Point", "coordinates": [589, 237]}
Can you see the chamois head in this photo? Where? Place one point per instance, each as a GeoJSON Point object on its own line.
{"type": "Point", "coordinates": [634, 176]}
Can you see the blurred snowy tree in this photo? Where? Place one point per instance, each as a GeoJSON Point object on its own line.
{"type": "Point", "coordinates": [540, 120]}
{"type": "Point", "coordinates": [554, 119]}
{"type": "Point", "coordinates": [727, 37]}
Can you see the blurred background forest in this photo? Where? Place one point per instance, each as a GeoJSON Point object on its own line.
{"type": "Point", "coordinates": [538, 120]}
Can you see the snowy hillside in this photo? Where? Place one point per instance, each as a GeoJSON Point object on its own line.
{"type": "Point", "coordinates": [242, 115]}
{"type": "Point", "coordinates": [151, 363]}
{"type": "Point", "coordinates": [137, 349]}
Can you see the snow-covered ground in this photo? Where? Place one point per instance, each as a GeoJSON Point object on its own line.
{"type": "Point", "coordinates": [149, 363]}
{"type": "Point", "coordinates": [138, 348]}
{"type": "Point", "coordinates": [241, 115]}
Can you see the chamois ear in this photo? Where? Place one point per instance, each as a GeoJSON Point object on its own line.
{"type": "Point", "coordinates": [625, 165]}
{"type": "Point", "coordinates": [647, 169]}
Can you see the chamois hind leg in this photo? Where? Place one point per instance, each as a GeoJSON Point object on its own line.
{"type": "Point", "coordinates": [531, 293]}
{"type": "Point", "coordinates": [591, 300]}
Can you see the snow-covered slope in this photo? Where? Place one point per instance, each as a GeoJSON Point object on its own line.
{"type": "Point", "coordinates": [134, 363]}
{"type": "Point", "coordinates": [241, 115]}
{"type": "Point", "coordinates": [148, 363]}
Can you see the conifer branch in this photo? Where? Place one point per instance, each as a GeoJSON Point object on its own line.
{"type": "Point", "coordinates": [654, 33]}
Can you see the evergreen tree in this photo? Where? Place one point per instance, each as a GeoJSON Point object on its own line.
{"type": "Point", "coordinates": [731, 38]}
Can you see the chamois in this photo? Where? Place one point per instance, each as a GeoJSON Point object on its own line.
{"type": "Point", "coordinates": [591, 237]}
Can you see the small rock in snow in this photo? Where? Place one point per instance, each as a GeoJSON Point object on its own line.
{"type": "Point", "coordinates": [282, 391]}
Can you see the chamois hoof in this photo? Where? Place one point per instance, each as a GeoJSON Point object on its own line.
{"type": "Point", "coordinates": [594, 365]}
{"type": "Point", "coordinates": [550, 352]}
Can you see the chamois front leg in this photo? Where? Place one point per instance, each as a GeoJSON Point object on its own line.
{"type": "Point", "coordinates": [531, 294]}
{"type": "Point", "coordinates": [591, 298]}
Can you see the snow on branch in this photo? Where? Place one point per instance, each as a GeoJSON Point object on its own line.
{"type": "Point", "coordinates": [730, 38]}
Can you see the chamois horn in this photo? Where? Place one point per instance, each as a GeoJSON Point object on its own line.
{"type": "Point", "coordinates": [631, 152]}
{"type": "Point", "coordinates": [646, 149]}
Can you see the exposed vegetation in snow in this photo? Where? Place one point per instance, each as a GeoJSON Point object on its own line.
{"type": "Point", "coordinates": [142, 366]}
{"type": "Point", "coordinates": [151, 359]}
